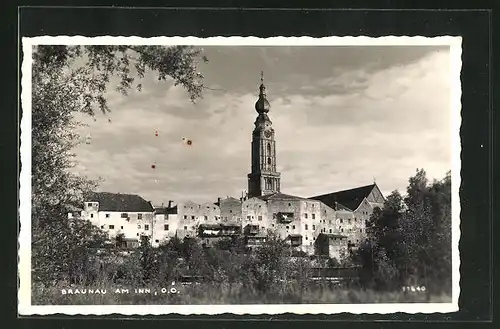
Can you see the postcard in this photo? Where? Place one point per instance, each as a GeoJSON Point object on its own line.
{"type": "Point", "coordinates": [243, 175]}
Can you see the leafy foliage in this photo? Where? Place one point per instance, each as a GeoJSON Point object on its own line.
{"type": "Point", "coordinates": [409, 240]}
{"type": "Point", "coordinates": [74, 79]}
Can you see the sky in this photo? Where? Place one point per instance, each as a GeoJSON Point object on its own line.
{"type": "Point", "coordinates": [344, 117]}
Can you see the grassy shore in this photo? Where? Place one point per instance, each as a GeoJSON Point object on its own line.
{"type": "Point", "coordinates": [223, 294]}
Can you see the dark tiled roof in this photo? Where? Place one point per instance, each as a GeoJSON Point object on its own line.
{"type": "Point", "coordinates": [119, 202]}
{"type": "Point", "coordinates": [166, 210]}
{"type": "Point", "coordinates": [280, 196]}
{"type": "Point", "coordinates": [350, 199]}
{"type": "Point", "coordinates": [339, 206]}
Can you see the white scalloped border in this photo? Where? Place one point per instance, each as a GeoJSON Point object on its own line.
{"type": "Point", "coordinates": [24, 253]}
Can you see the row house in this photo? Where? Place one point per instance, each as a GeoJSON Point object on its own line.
{"type": "Point", "coordinates": [125, 215]}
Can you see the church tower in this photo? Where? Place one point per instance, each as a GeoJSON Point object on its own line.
{"type": "Point", "coordinates": [264, 179]}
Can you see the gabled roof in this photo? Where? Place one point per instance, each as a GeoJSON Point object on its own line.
{"type": "Point", "coordinates": [119, 202]}
{"type": "Point", "coordinates": [280, 196]}
{"type": "Point", "coordinates": [350, 199]}
{"type": "Point", "coordinates": [166, 210]}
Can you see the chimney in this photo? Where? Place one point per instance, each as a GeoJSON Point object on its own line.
{"type": "Point", "coordinates": [170, 203]}
{"type": "Point", "coordinates": [218, 201]}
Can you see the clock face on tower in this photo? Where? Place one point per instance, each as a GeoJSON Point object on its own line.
{"type": "Point", "coordinates": [267, 133]}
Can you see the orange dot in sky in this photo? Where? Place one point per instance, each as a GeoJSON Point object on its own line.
{"type": "Point", "coordinates": [189, 142]}
{"type": "Point", "coordinates": [153, 166]}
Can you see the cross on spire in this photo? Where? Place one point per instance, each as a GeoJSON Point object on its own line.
{"type": "Point", "coordinates": [262, 76]}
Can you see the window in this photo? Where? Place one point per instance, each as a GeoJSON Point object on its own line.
{"type": "Point", "coordinates": [89, 204]}
{"type": "Point", "coordinates": [157, 241]}
{"type": "Point", "coordinates": [341, 220]}
{"type": "Point", "coordinates": [349, 221]}
{"type": "Point", "coordinates": [121, 227]}
{"type": "Point", "coordinates": [289, 204]}
{"type": "Point", "coordinates": [206, 217]}
{"type": "Point", "coordinates": [107, 215]}
{"type": "Point", "coordinates": [165, 227]}
{"type": "Point", "coordinates": [306, 237]}
{"type": "Point", "coordinates": [313, 215]}
{"type": "Point", "coordinates": [293, 227]}
{"type": "Point", "coordinates": [259, 218]}
{"type": "Point", "coordinates": [305, 226]}
{"type": "Point", "coordinates": [185, 217]}
{"type": "Point", "coordinates": [341, 230]}
{"type": "Point", "coordinates": [137, 234]}
{"type": "Point", "coordinates": [111, 227]}
{"type": "Point", "coordinates": [124, 215]}
{"type": "Point", "coordinates": [330, 230]}
{"type": "Point", "coordinates": [192, 217]}
{"type": "Point", "coordinates": [272, 225]}
{"type": "Point", "coordinates": [248, 217]}
{"type": "Point", "coordinates": [360, 230]}
{"type": "Point", "coordinates": [310, 243]}
{"type": "Point", "coordinates": [91, 215]}
{"type": "Point", "coordinates": [268, 148]}
{"type": "Point", "coordinates": [139, 226]}
{"type": "Point", "coordinates": [185, 228]}
{"type": "Point", "coordinates": [262, 228]}
{"type": "Point", "coordinates": [314, 227]}
{"type": "Point", "coordinates": [146, 227]}
{"type": "Point", "coordinates": [102, 226]}
{"type": "Point", "coordinates": [305, 215]}
{"type": "Point", "coordinates": [287, 227]}
{"type": "Point", "coordinates": [230, 211]}
{"type": "Point", "coordinates": [139, 216]}
{"type": "Point", "coordinates": [355, 219]}
{"type": "Point", "coordinates": [329, 221]}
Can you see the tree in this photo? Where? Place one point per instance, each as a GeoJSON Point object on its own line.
{"type": "Point", "coordinates": [67, 80]}
{"type": "Point", "coordinates": [409, 240]}
{"type": "Point", "coordinates": [381, 254]}
{"type": "Point", "coordinates": [269, 268]}
{"type": "Point", "coordinates": [426, 227]}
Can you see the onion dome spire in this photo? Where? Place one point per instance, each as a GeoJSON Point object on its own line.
{"type": "Point", "coordinates": [262, 105]}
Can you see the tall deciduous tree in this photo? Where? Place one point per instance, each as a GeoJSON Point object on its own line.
{"type": "Point", "coordinates": [409, 240]}
{"type": "Point", "coordinates": [67, 80]}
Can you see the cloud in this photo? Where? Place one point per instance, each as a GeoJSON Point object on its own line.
{"type": "Point", "coordinates": [333, 131]}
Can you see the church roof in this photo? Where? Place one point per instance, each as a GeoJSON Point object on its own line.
{"type": "Point", "coordinates": [350, 199]}
{"type": "Point", "coordinates": [119, 202]}
{"type": "Point", "coordinates": [280, 196]}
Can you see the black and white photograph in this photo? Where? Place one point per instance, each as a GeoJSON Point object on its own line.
{"type": "Point", "coordinates": [239, 175]}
